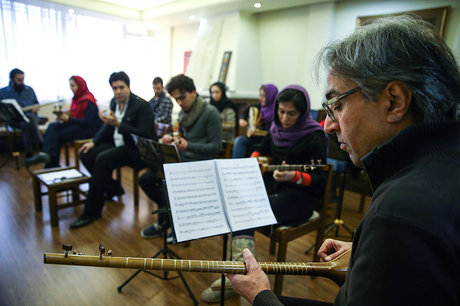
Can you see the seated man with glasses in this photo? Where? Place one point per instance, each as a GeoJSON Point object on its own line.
{"type": "Point", "coordinates": [393, 87]}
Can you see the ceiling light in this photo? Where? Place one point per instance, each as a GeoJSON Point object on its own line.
{"type": "Point", "coordinates": [191, 17]}
{"type": "Point", "coordinates": [257, 5]}
{"type": "Point", "coordinates": [71, 11]}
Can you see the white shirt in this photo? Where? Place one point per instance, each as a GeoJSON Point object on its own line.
{"type": "Point", "coordinates": [119, 114]}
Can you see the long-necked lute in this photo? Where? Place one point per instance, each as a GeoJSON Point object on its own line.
{"type": "Point", "coordinates": [28, 108]}
{"type": "Point", "coordinates": [264, 164]}
{"type": "Point", "coordinates": [334, 269]}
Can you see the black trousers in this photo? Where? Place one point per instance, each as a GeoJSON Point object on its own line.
{"type": "Point", "coordinates": [59, 133]}
{"type": "Point", "coordinates": [100, 161]}
{"type": "Point", "coordinates": [152, 185]}
{"type": "Point", "coordinates": [30, 132]}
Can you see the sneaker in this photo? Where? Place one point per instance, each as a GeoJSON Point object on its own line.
{"type": "Point", "coordinates": [152, 231]}
{"type": "Point", "coordinates": [212, 294]}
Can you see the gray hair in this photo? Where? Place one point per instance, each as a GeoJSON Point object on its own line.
{"type": "Point", "coordinates": [400, 48]}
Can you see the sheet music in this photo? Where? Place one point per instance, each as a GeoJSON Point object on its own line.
{"type": "Point", "coordinates": [15, 104]}
{"type": "Point", "coordinates": [247, 204]}
{"type": "Point", "coordinates": [59, 176]}
{"type": "Point", "coordinates": [195, 201]}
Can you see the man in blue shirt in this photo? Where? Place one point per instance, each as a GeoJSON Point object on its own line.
{"type": "Point", "coordinates": [25, 96]}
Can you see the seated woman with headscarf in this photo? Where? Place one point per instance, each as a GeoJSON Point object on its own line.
{"type": "Point", "coordinates": [228, 110]}
{"type": "Point", "coordinates": [257, 119]}
{"type": "Point", "coordinates": [294, 138]}
{"type": "Point", "coordinates": [82, 123]}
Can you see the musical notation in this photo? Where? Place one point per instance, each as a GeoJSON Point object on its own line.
{"type": "Point", "coordinates": [213, 197]}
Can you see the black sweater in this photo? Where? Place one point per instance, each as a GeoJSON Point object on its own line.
{"type": "Point", "coordinates": [406, 249]}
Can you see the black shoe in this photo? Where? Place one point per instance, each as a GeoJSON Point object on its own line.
{"type": "Point", "coordinates": [83, 221]}
{"type": "Point", "coordinates": [109, 196]}
{"type": "Point", "coordinates": [41, 157]}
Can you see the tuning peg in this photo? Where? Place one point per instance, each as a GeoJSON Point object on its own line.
{"type": "Point", "coordinates": [66, 248]}
{"type": "Point", "coordinates": [101, 251]}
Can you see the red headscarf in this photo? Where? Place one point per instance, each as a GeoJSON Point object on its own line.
{"type": "Point", "coordinates": [80, 98]}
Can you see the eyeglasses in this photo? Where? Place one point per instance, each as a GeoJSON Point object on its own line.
{"type": "Point", "coordinates": [326, 104]}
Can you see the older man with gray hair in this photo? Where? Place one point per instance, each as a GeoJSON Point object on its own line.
{"type": "Point", "coordinates": [393, 88]}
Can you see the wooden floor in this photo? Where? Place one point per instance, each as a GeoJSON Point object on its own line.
{"type": "Point", "coordinates": [25, 235]}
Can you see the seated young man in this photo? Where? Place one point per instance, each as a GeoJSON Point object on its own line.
{"type": "Point", "coordinates": [201, 127]}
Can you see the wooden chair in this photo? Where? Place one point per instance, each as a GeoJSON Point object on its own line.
{"type": "Point", "coordinates": [77, 144]}
{"type": "Point", "coordinates": [283, 235]}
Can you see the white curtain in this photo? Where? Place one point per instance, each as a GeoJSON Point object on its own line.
{"type": "Point", "coordinates": [51, 42]}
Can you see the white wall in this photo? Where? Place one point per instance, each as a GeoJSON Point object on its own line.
{"type": "Point", "coordinates": [290, 38]}
{"type": "Point", "coordinates": [182, 39]}
{"type": "Point", "coordinates": [289, 41]}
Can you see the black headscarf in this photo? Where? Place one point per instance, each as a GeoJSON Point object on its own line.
{"type": "Point", "coordinates": [224, 102]}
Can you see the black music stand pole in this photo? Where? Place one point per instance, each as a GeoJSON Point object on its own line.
{"type": "Point", "coordinates": [338, 222]}
{"type": "Point", "coordinates": [167, 252]}
{"type": "Point", "coordinates": [224, 258]}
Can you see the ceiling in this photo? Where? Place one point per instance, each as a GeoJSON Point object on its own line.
{"type": "Point", "coordinates": [178, 12]}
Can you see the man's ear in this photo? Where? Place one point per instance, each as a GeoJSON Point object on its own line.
{"type": "Point", "coordinates": [400, 98]}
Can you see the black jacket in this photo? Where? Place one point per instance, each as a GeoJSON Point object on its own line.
{"type": "Point", "coordinates": [138, 120]}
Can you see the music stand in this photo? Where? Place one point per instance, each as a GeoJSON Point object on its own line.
{"type": "Point", "coordinates": [167, 252]}
{"type": "Point", "coordinates": [154, 154]}
{"type": "Point", "coordinates": [10, 111]}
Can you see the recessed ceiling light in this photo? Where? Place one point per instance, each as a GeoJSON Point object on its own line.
{"type": "Point", "coordinates": [257, 5]}
{"type": "Point", "coordinates": [191, 17]}
{"type": "Point", "coordinates": [71, 11]}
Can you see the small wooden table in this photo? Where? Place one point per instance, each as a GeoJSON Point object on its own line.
{"type": "Point", "coordinates": [55, 180]}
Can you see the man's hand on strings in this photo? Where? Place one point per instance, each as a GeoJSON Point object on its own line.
{"type": "Point", "coordinates": [332, 248]}
{"type": "Point", "coordinates": [253, 282]}
{"type": "Point", "coordinates": [283, 176]}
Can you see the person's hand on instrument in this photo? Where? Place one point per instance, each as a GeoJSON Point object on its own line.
{"type": "Point", "coordinates": [64, 117]}
{"type": "Point", "coordinates": [182, 144]}
{"type": "Point", "coordinates": [167, 139]}
{"type": "Point", "coordinates": [249, 285]}
{"type": "Point", "coordinates": [109, 118]}
{"type": "Point", "coordinates": [332, 248]}
{"type": "Point", "coordinates": [283, 176]}
{"type": "Point", "coordinates": [243, 122]}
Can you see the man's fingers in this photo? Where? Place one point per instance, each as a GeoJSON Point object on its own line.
{"type": "Point", "coordinates": [250, 260]}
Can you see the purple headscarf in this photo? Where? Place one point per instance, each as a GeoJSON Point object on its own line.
{"type": "Point", "coordinates": [287, 137]}
{"type": "Point", "coordinates": [267, 111]}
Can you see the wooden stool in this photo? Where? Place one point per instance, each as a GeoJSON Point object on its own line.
{"type": "Point", "coordinates": [55, 181]}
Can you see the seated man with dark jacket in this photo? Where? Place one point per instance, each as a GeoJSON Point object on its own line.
{"type": "Point", "coordinates": [113, 146]}
{"type": "Point", "coordinates": [201, 126]}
